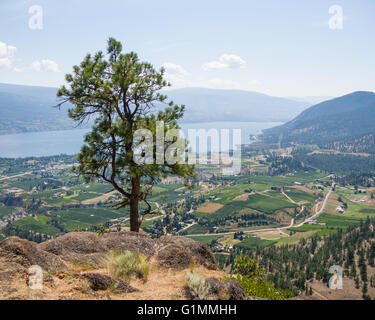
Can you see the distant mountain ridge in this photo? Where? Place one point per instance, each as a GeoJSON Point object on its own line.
{"type": "Point", "coordinates": [29, 108]}
{"type": "Point", "coordinates": [345, 124]}
{"type": "Point", "coordinates": [235, 105]}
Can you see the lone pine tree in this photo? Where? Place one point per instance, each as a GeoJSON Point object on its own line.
{"type": "Point", "coordinates": [122, 94]}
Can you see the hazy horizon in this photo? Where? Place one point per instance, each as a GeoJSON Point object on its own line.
{"type": "Point", "coordinates": [288, 49]}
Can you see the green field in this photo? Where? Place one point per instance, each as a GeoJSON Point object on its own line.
{"type": "Point", "coordinates": [252, 242]}
{"type": "Point", "coordinates": [300, 196]}
{"type": "Point", "coordinates": [37, 225]}
{"type": "Point", "coordinates": [5, 210]}
{"type": "Point", "coordinates": [206, 240]}
{"type": "Point", "coordinates": [338, 221]}
{"type": "Point", "coordinates": [83, 218]}
{"type": "Point", "coordinates": [198, 229]}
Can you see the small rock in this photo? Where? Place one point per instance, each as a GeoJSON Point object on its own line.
{"type": "Point", "coordinates": [229, 289]}
{"type": "Point", "coordinates": [235, 290]}
{"type": "Point", "coordinates": [103, 282]}
{"type": "Point", "coordinates": [123, 287]}
{"type": "Point", "coordinates": [8, 290]}
{"type": "Point", "coordinates": [98, 281]}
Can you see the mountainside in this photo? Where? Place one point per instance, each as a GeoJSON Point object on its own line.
{"type": "Point", "coordinates": [28, 108]}
{"type": "Point", "coordinates": [235, 105]}
{"type": "Point", "coordinates": [344, 124]}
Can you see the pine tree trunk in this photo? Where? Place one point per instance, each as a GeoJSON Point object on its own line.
{"type": "Point", "coordinates": [134, 224]}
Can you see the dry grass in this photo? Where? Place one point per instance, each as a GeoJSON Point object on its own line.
{"type": "Point", "coordinates": [166, 284]}
{"type": "Point", "coordinates": [304, 189]}
{"type": "Point", "coordinates": [180, 189]}
{"type": "Point", "coordinates": [349, 292]}
{"type": "Point", "coordinates": [161, 285]}
{"type": "Point", "coordinates": [102, 198]}
{"type": "Point", "coordinates": [271, 235]}
{"type": "Point", "coordinates": [210, 207]}
{"type": "Point", "coordinates": [242, 197]}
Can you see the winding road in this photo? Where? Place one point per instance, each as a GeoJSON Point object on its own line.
{"type": "Point", "coordinates": [307, 220]}
{"type": "Point", "coordinates": [16, 176]}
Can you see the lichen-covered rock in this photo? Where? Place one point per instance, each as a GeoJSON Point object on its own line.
{"type": "Point", "coordinates": [174, 257]}
{"type": "Point", "coordinates": [185, 248]}
{"type": "Point", "coordinates": [103, 282]}
{"type": "Point", "coordinates": [26, 253]}
{"type": "Point", "coordinates": [123, 287]}
{"type": "Point", "coordinates": [225, 290]}
{"type": "Point", "coordinates": [98, 281]}
{"type": "Point", "coordinates": [84, 247]}
{"type": "Point", "coordinates": [132, 241]}
{"type": "Point", "coordinates": [235, 290]}
{"type": "Point", "coordinates": [90, 248]}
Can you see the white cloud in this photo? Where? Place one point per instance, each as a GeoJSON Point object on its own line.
{"type": "Point", "coordinates": [175, 74]}
{"type": "Point", "coordinates": [11, 51]}
{"type": "Point", "coordinates": [180, 78]}
{"type": "Point", "coordinates": [15, 69]}
{"type": "Point", "coordinates": [5, 62]}
{"type": "Point", "coordinates": [6, 54]}
{"type": "Point", "coordinates": [45, 66]}
{"type": "Point", "coordinates": [174, 69]}
{"type": "Point", "coordinates": [226, 61]}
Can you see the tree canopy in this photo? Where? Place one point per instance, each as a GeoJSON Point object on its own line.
{"type": "Point", "coordinates": [122, 95]}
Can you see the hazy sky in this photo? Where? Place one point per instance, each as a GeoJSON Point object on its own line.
{"type": "Point", "coordinates": [282, 48]}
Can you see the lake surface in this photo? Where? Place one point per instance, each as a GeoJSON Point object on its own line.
{"type": "Point", "coordinates": [37, 144]}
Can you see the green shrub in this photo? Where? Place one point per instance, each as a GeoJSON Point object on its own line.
{"type": "Point", "coordinates": [252, 279]}
{"type": "Point", "coordinates": [196, 287]}
{"type": "Point", "coordinates": [102, 230]}
{"type": "Point", "coordinates": [127, 265]}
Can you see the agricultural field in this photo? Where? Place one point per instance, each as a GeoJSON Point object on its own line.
{"type": "Point", "coordinates": [6, 210]}
{"type": "Point", "coordinates": [252, 242]}
{"type": "Point", "coordinates": [37, 224]}
{"type": "Point", "coordinates": [57, 201]}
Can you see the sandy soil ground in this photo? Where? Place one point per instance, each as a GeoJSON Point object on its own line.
{"type": "Point", "coordinates": [210, 207]}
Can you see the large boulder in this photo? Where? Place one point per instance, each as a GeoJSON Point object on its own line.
{"type": "Point", "coordinates": [77, 247]}
{"type": "Point", "coordinates": [132, 241]}
{"type": "Point", "coordinates": [16, 251]}
{"type": "Point", "coordinates": [184, 251]}
{"type": "Point", "coordinates": [174, 257]}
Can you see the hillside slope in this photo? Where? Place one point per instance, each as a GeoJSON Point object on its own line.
{"type": "Point", "coordinates": [345, 124]}
{"type": "Point", "coordinates": [27, 109]}
{"type": "Point", "coordinates": [235, 105]}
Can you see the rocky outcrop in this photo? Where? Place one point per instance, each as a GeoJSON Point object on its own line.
{"type": "Point", "coordinates": [90, 248]}
{"type": "Point", "coordinates": [74, 264]}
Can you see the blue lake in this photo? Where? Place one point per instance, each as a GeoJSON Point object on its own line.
{"type": "Point", "coordinates": [37, 144]}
